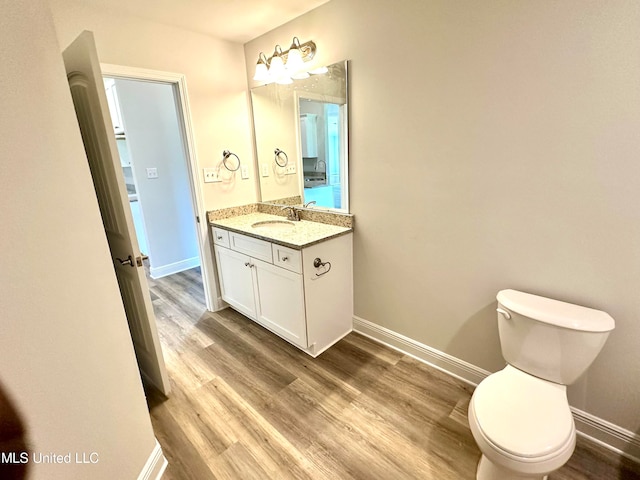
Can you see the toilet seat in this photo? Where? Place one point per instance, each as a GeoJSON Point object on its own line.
{"type": "Point", "coordinates": [523, 416]}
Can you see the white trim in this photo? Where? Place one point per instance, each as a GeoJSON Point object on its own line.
{"type": "Point", "coordinates": [615, 438]}
{"type": "Point", "coordinates": [606, 434]}
{"type": "Point", "coordinates": [171, 268]}
{"type": "Point", "coordinates": [204, 244]}
{"type": "Point", "coordinates": [222, 304]}
{"type": "Point", "coordinates": [453, 366]}
{"type": "Point", "coordinates": [155, 466]}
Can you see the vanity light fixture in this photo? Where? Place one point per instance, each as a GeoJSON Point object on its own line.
{"type": "Point", "coordinates": [262, 70]}
{"type": "Point", "coordinates": [276, 67]}
{"type": "Point", "coordinates": [295, 63]}
{"type": "Point", "coordinates": [282, 66]}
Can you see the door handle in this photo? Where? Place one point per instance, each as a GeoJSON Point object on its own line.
{"type": "Point", "coordinates": [128, 261]}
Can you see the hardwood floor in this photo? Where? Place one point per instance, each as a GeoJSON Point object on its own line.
{"type": "Point", "coordinates": [247, 405]}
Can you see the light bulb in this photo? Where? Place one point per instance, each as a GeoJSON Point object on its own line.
{"type": "Point", "coordinates": [262, 72]}
{"type": "Point", "coordinates": [276, 67]}
{"type": "Point", "coordinates": [294, 60]}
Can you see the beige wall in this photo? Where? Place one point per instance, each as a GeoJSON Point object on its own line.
{"type": "Point", "coordinates": [492, 145]}
{"type": "Point", "coordinates": [214, 70]}
{"type": "Point", "coordinates": [66, 355]}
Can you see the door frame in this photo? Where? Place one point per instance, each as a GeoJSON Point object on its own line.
{"type": "Point", "coordinates": [179, 81]}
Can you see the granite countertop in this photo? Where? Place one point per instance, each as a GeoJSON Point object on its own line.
{"type": "Point", "coordinates": [302, 234]}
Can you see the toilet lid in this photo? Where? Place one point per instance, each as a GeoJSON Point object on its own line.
{"type": "Point", "coordinates": [522, 414]}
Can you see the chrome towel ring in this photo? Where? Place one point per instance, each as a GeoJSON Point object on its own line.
{"type": "Point", "coordinates": [277, 151]}
{"type": "Point", "coordinates": [225, 156]}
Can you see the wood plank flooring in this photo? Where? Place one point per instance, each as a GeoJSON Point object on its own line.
{"type": "Point", "coordinates": [247, 405]}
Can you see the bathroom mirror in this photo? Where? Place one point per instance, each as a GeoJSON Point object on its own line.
{"type": "Point", "coordinates": [301, 136]}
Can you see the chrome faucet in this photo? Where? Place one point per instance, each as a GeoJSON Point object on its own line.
{"type": "Point", "coordinates": [293, 215]}
{"type": "Point", "coordinates": [308, 204]}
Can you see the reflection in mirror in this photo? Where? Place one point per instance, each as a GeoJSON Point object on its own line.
{"type": "Point", "coordinates": [322, 148]}
{"type": "Point", "coordinates": [307, 122]}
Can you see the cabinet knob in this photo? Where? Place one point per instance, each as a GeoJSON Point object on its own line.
{"type": "Point", "coordinates": [284, 259]}
{"type": "Point", "coordinates": [247, 264]}
{"type": "Point", "coordinates": [219, 237]}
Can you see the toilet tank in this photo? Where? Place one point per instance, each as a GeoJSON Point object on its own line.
{"type": "Point", "coordinates": [550, 339]}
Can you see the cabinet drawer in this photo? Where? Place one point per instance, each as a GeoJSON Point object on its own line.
{"type": "Point", "coordinates": [287, 258]}
{"type": "Point", "coordinates": [251, 246]}
{"type": "Point", "coordinates": [220, 237]}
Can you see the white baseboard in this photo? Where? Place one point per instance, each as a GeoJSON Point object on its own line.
{"type": "Point", "coordinates": [613, 437]}
{"type": "Point", "coordinates": [155, 466]}
{"type": "Point", "coordinates": [171, 268]}
{"type": "Point", "coordinates": [220, 305]}
{"type": "Point", "coordinates": [442, 361]}
{"type": "Point", "coordinates": [609, 435]}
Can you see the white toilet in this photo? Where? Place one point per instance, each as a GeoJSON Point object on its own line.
{"type": "Point", "coordinates": [520, 416]}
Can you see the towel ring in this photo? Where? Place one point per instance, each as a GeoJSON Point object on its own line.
{"type": "Point", "coordinates": [225, 156]}
{"type": "Point", "coordinates": [277, 151]}
{"type": "Point", "coordinates": [318, 263]}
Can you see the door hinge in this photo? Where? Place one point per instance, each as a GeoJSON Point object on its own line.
{"type": "Point", "coordinates": [197, 219]}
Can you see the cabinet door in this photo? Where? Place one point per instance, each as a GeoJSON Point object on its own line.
{"type": "Point", "coordinates": [236, 282]}
{"type": "Point", "coordinates": [280, 296]}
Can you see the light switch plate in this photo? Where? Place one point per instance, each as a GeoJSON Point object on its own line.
{"type": "Point", "coordinates": [244, 171]}
{"type": "Point", "coordinates": [290, 169]}
{"type": "Point", "coordinates": [264, 168]}
{"type": "Point", "coordinates": [152, 172]}
{"type": "Point", "coordinates": [211, 175]}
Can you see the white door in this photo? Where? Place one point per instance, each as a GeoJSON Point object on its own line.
{"type": "Point", "coordinates": [89, 99]}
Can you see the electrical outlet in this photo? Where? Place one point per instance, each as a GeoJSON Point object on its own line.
{"type": "Point", "coordinates": [211, 175]}
{"type": "Point", "coordinates": [264, 168]}
{"type": "Point", "coordinates": [244, 171]}
{"type": "Point", "coordinates": [290, 169]}
{"type": "Point", "coordinates": [152, 173]}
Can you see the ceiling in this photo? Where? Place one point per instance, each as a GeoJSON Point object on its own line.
{"type": "Point", "coordinates": [234, 20]}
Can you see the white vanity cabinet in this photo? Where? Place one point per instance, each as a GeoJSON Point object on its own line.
{"type": "Point", "coordinates": [281, 289]}
{"type": "Point", "coordinates": [280, 297]}
{"type": "Point", "coordinates": [236, 280]}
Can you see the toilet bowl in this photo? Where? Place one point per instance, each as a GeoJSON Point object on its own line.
{"type": "Point", "coordinates": [520, 416]}
{"type": "Point", "coordinates": [522, 425]}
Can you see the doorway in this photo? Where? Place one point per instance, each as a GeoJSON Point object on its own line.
{"type": "Point", "coordinates": [154, 165]}
{"type": "Point", "coordinates": [152, 126]}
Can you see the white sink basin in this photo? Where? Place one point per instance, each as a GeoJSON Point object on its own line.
{"type": "Point", "coordinates": [274, 224]}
